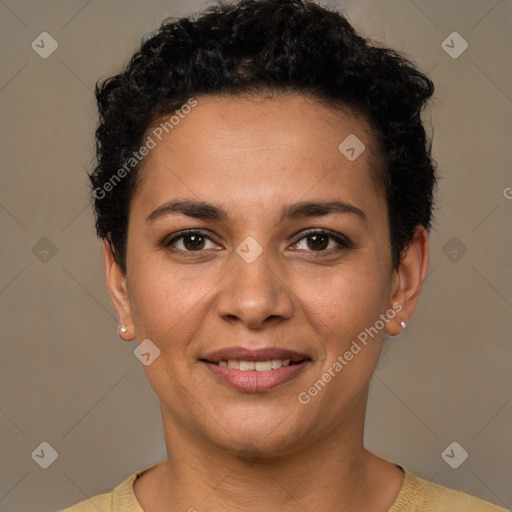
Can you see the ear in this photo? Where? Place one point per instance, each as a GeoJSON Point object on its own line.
{"type": "Point", "coordinates": [118, 290]}
{"type": "Point", "coordinates": [408, 280]}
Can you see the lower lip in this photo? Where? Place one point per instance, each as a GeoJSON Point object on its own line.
{"type": "Point", "coordinates": [252, 380]}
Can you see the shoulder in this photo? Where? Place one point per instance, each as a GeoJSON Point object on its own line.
{"type": "Point", "coordinates": [419, 495]}
{"type": "Point", "coordinates": [122, 495]}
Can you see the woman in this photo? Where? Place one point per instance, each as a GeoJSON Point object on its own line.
{"type": "Point", "coordinates": [264, 194]}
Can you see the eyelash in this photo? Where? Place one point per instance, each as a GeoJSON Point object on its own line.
{"type": "Point", "coordinates": [342, 241]}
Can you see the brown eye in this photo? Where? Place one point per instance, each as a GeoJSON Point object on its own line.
{"type": "Point", "coordinates": [320, 240]}
{"type": "Point", "coordinates": [192, 241]}
{"type": "Point", "coordinates": [316, 242]}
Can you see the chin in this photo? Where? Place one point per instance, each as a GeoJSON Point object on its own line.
{"type": "Point", "coordinates": [254, 435]}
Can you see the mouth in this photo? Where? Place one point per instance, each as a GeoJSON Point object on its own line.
{"type": "Point", "coordinates": [259, 366]}
{"type": "Point", "coordinates": [255, 370]}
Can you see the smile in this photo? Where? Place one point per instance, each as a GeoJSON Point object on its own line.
{"type": "Point", "coordinates": [259, 366]}
{"type": "Point", "coordinates": [254, 370]}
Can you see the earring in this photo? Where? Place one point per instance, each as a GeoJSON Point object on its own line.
{"type": "Point", "coordinates": [403, 325]}
{"type": "Point", "coordinates": [123, 328]}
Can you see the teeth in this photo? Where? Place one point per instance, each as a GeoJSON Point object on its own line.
{"type": "Point", "coordinates": [259, 366]}
{"type": "Point", "coordinates": [247, 365]}
{"type": "Point", "coordinates": [263, 366]}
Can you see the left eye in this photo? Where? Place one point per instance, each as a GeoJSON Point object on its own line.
{"type": "Point", "coordinates": [318, 241]}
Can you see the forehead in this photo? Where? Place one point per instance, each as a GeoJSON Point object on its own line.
{"type": "Point", "coordinates": [247, 148]}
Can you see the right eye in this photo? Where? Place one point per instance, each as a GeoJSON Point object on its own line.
{"type": "Point", "coordinates": [191, 241]}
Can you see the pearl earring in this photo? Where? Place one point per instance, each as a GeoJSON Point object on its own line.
{"type": "Point", "coordinates": [403, 324]}
{"type": "Point", "coordinates": [123, 328]}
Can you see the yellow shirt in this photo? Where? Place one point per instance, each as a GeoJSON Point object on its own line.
{"type": "Point", "coordinates": [416, 495]}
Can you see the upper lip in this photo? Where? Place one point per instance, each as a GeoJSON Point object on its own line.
{"type": "Point", "coordinates": [260, 354]}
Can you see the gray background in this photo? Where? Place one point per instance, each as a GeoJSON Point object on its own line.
{"type": "Point", "coordinates": [67, 379]}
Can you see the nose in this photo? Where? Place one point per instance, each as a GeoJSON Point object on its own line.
{"type": "Point", "coordinates": [255, 294]}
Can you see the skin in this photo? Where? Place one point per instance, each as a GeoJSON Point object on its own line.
{"type": "Point", "coordinates": [234, 450]}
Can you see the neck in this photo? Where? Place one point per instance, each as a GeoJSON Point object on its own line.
{"type": "Point", "coordinates": [330, 472]}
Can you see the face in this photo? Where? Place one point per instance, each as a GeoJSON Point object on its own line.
{"type": "Point", "coordinates": [285, 256]}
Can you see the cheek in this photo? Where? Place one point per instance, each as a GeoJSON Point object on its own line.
{"type": "Point", "coordinates": [167, 301]}
{"type": "Point", "coordinates": [351, 299]}
{"type": "Point", "coordinates": [350, 306]}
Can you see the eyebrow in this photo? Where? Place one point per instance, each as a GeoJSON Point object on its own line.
{"type": "Point", "coordinates": [208, 211]}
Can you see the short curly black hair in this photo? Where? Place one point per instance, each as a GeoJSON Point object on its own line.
{"type": "Point", "coordinates": [258, 46]}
